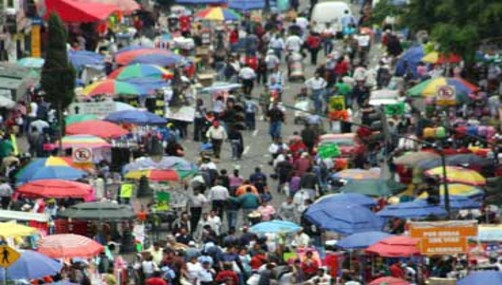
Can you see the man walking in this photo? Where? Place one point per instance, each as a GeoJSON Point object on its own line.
{"type": "Point", "coordinates": [216, 134]}
{"type": "Point", "coordinates": [276, 118]}
{"type": "Point", "coordinates": [316, 84]}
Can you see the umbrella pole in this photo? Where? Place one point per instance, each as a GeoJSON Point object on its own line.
{"type": "Point", "coordinates": [445, 183]}
{"type": "Point", "coordinates": [4, 276]}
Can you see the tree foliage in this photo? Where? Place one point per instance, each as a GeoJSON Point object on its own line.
{"type": "Point", "coordinates": [58, 76]}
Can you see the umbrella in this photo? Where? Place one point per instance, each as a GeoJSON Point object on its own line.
{"type": "Point", "coordinates": [100, 129]}
{"type": "Point", "coordinates": [414, 157]}
{"type": "Point", "coordinates": [275, 226]}
{"type": "Point", "coordinates": [68, 246]}
{"type": "Point", "coordinates": [456, 189]}
{"type": "Point", "coordinates": [389, 281]}
{"type": "Point", "coordinates": [104, 211]}
{"type": "Point", "coordinates": [221, 86]}
{"type": "Point", "coordinates": [347, 198]}
{"type": "Point", "coordinates": [395, 246]}
{"type": "Point", "coordinates": [31, 62]}
{"type": "Point", "coordinates": [414, 209]}
{"type": "Point", "coordinates": [79, 59]}
{"type": "Point", "coordinates": [128, 48]}
{"type": "Point", "coordinates": [121, 106]}
{"type": "Point", "coordinates": [37, 163]}
{"type": "Point", "coordinates": [429, 87]}
{"type": "Point", "coordinates": [358, 174]}
{"type": "Point", "coordinates": [148, 84]}
{"type": "Point", "coordinates": [362, 240]}
{"type": "Point", "coordinates": [166, 163]}
{"type": "Point", "coordinates": [88, 141]}
{"type": "Point", "coordinates": [51, 172]}
{"type": "Point", "coordinates": [135, 117]}
{"type": "Point", "coordinates": [125, 6]}
{"type": "Point", "coordinates": [373, 188]}
{"type": "Point", "coordinates": [13, 230]}
{"type": "Point", "coordinates": [140, 71]}
{"type": "Point", "coordinates": [125, 57]}
{"type": "Point", "coordinates": [154, 175]}
{"type": "Point", "coordinates": [468, 159]}
{"type": "Point", "coordinates": [246, 5]}
{"type": "Point", "coordinates": [53, 188]}
{"type": "Point", "coordinates": [458, 202]}
{"type": "Point", "coordinates": [458, 175]}
{"type": "Point", "coordinates": [489, 233]}
{"type": "Point", "coordinates": [31, 265]}
{"type": "Point", "coordinates": [409, 60]}
{"type": "Point", "coordinates": [71, 119]}
{"type": "Point", "coordinates": [441, 58]}
{"type": "Point", "coordinates": [112, 87]}
{"type": "Point", "coordinates": [160, 59]}
{"type": "Point", "coordinates": [482, 278]}
{"type": "Point", "coordinates": [218, 14]}
{"type": "Point", "coordinates": [343, 218]}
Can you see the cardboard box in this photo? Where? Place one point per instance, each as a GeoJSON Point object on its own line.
{"type": "Point", "coordinates": [206, 79]}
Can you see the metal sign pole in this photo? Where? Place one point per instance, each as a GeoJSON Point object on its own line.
{"type": "Point", "coordinates": [4, 276]}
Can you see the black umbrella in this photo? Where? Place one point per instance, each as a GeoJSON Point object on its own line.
{"type": "Point", "coordinates": [103, 211]}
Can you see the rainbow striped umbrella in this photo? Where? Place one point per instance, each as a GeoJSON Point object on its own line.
{"type": "Point", "coordinates": [154, 175]}
{"type": "Point", "coordinates": [140, 71]}
{"type": "Point", "coordinates": [88, 141]}
{"type": "Point", "coordinates": [458, 175]}
{"type": "Point", "coordinates": [218, 14]}
{"type": "Point", "coordinates": [126, 57]}
{"type": "Point", "coordinates": [430, 87]}
{"type": "Point", "coordinates": [112, 87]}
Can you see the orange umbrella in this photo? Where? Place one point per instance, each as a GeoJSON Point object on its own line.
{"type": "Point", "coordinates": [100, 129]}
{"type": "Point", "coordinates": [395, 246]}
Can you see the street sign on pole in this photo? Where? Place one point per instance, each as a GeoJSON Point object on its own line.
{"type": "Point", "coordinates": [8, 255]}
{"type": "Point", "coordinates": [82, 155]}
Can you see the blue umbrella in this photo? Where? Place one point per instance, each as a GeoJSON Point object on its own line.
{"type": "Point", "coordinates": [344, 219]}
{"type": "Point", "coordinates": [79, 59]}
{"type": "Point", "coordinates": [246, 5]}
{"type": "Point", "coordinates": [135, 117]}
{"type": "Point", "coordinates": [347, 198]}
{"type": "Point", "coordinates": [362, 240]}
{"type": "Point", "coordinates": [457, 202]}
{"type": "Point", "coordinates": [275, 226]}
{"type": "Point", "coordinates": [158, 59]}
{"type": "Point", "coordinates": [414, 209]}
{"type": "Point", "coordinates": [51, 172]}
{"type": "Point", "coordinates": [412, 57]}
{"type": "Point", "coordinates": [482, 278]}
{"type": "Point", "coordinates": [121, 106]}
{"type": "Point", "coordinates": [31, 265]}
{"type": "Point", "coordinates": [148, 84]}
{"type": "Point", "coordinates": [128, 48]}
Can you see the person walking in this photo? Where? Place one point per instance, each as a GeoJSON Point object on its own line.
{"type": "Point", "coordinates": [216, 134]}
{"type": "Point", "coordinates": [249, 202]}
{"type": "Point", "coordinates": [317, 85]}
{"type": "Point", "coordinates": [276, 119]}
{"type": "Point", "coordinates": [251, 108]}
{"type": "Point", "coordinates": [218, 194]}
{"type": "Point", "coordinates": [314, 44]}
{"type": "Point", "coordinates": [247, 75]}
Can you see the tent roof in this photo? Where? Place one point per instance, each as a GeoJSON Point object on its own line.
{"type": "Point", "coordinates": [81, 12]}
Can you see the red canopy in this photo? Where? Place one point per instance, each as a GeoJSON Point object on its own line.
{"type": "Point", "coordinates": [395, 246]}
{"type": "Point", "coordinates": [126, 6]}
{"type": "Point", "coordinates": [79, 12]}
{"type": "Point", "coordinates": [54, 188]}
{"type": "Point", "coordinates": [100, 129]}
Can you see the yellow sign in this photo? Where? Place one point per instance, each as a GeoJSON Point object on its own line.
{"type": "Point", "coordinates": [443, 238]}
{"type": "Point", "coordinates": [337, 103]}
{"type": "Point", "coordinates": [8, 256]}
{"type": "Point", "coordinates": [35, 41]}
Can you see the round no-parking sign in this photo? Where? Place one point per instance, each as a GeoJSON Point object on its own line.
{"type": "Point", "coordinates": [82, 155]}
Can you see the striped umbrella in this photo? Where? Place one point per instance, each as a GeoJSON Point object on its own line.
{"type": "Point", "coordinates": [124, 58]}
{"type": "Point", "coordinates": [430, 87]}
{"type": "Point", "coordinates": [68, 246]}
{"type": "Point", "coordinates": [140, 71]}
{"type": "Point", "coordinates": [154, 175]}
{"type": "Point", "coordinates": [88, 141]}
{"type": "Point", "coordinates": [112, 87]}
{"type": "Point", "coordinates": [458, 175]}
{"type": "Point", "coordinates": [218, 14]}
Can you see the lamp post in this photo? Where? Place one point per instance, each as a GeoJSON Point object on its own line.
{"type": "Point", "coordinates": [445, 182]}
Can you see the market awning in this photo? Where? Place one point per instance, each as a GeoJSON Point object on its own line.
{"type": "Point", "coordinates": [79, 12]}
{"type": "Point", "coordinates": [10, 83]}
{"type": "Point", "coordinates": [6, 215]}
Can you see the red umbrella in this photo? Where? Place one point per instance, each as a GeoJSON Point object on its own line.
{"type": "Point", "coordinates": [96, 128]}
{"type": "Point", "coordinates": [395, 246]}
{"type": "Point", "coordinates": [389, 281]}
{"type": "Point", "coordinates": [68, 246]}
{"type": "Point", "coordinates": [124, 58]}
{"type": "Point", "coordinates": [54, 188]}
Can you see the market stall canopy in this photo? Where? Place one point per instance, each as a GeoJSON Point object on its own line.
{"type": "Point", "coordinates": [125, 57]}
{"type": "Point", "coordinates": [88, 141]}
{"type": "Point", "coordinates": [165, 163]}
{"type": "Point", "coordinates": [102, 211]}
{"type": "Point", "coordinates": [458, 202]}
{"type": "Point", "coordinates": [68, 246]}
{"type": "Point", "coordinates": [81, 58]}
{"type": "Point", "coordinates": [343, 218]}
{"type": "Point", "coordinates": [458, 175]}
{"type": "Point", "coordinates": [414, 157]}
{"type": "Point", "coordinates": [137, 117]}
{"type": "Point", "coordinates": [112, 87]}
{"type": "Point", "coordinates": [71, 119]}
{"type": "Point", "coordinates": [430, 87]}
{"type": "Point", "coordinates": [358, 174]}
{"type": "Point", "coordinates": [395, 246]}
{"type": "Point", "coordinates": [246, 5]}
{"type": "Point", "coordinates": [346, 198]}
{"type": "Point", "coordinates": [412, 210]}
{"type": "Point", "coordinates": [7, 215]}
{"type": "Point", "coordinates": [72, 11]}
{"type": "Point", "coordinates": [140, 71]}
{"type": "Point", "coordinates": [218, 14]}
{"type": "Point", "coordinates": [456, 189]}
{"type": "Point", "coordinates": [54, 188]}
{"type": "Point", "coordinates": [31, 265]}
{"type": "Point", "coordinates": [275, 226]}
{"type": "Point", "coordinates": [38, 163]}
{"type": "Point", "coordinates": [481, 278]}
{"type": "Point", "coordinates": [373, 188]}
{"type": "Point", "coordinates": [468, 160]}
{"type": "Point", "coordinates": [362, 240]}
{"type": "Point", "coordinates": [51, 172]}
{"type": "Point", "coordinates": [125, 6]}
{"type": "Point", "coordinates": [100, 129]}
{"type": "Point", "coordinates": [13, 230]}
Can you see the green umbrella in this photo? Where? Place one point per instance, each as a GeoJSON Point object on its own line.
{"type": "Point", "coordinates": [71, 119]}
{"type": "Point", "coordinates": [374, 188]}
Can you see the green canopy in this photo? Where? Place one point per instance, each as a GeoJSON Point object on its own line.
{"type": "Point", "coordinates": [71, 119]}
{"type": "Point", "coordinates": [374, 188]}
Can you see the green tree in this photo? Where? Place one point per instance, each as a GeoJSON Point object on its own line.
{"type": "Point", "coordinates": [58, 76]}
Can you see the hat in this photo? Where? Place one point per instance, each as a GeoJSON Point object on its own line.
{"type": "Point", "coordinates": [191, 243]}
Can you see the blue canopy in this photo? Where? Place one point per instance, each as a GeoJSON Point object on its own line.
{"type": "Point", "coordinates": [31, 265]}
{"type": "Point", "coordinates": [246, 5]}
{"type": "Point", "coordinates": [158, 59]}
{"type": "Point", "coordinates": [128, 48]}
{"type": "Point", "coordinates": [481, 278]}
{"type": "Point", "coordinates": [362, 240]}
{"type": "Point", "coordinates": [51, 172]}
{"type": "Point", "coordinates": [135, 117]}
{"type": "Point", "coordinates": [275, 226]}
{"type": "Point", "coordinates": [79, 59]}
{"type": "Point", "coordinates": [344, 218]}
{"type": "Point", "coordinates": [347, 198]}
{"type": "Point", "coordinates": [457, 202]}
{"type": "Point", "coordinates": [412, 57]}
{"type": "Point", "coordinates": [148, 84]}
{"type": "Point", "coordinates": [414, 209]}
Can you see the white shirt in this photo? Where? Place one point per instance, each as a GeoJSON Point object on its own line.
{"type": "Point", "coordinates": [247, 73]}
{"type": "Point", "coordinates": [148, 267]}
{"type": "Point", "coordinates": [193, 270]}
{"type": "Point", "coordinates": [198, 201]}
{"type": "Point", "coordinates": [315, 83]}
{"type": "Point", "coordinates": [276, 43]}
{"type": "Point", "coordinates": [301, 240]}
{"type": "Point", "coordinates": [216, 133]}
{"type": "Point", "coordinates": [363, 40]}
{"type": "Point", "coordinates": [294, 43]}
{"type": "Point", "coordinates": [33, 109]}
{"type": "Point", "coordinates": [302, 22]}
{"type": "Point", "coordinates": [218, 193]}
{"type": "Point", "coordinates": [274, 148]}
{"type": "Point", "coordinates": [215, 223]}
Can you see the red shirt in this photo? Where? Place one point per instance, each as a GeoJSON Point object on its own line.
{"type": "Point", "coordinates": [252, 61]}
{"type": "Point", "coordinates": [233, 38]}
{"type": "Point", "coordinates": [341, 68]}
{"type": "Point", "coordinates": [155, 281]}
{"type": "Point", "coordinates": [396, 271]}
{"type": "Point", "coordinates": [314, 41]}
{"type": "Point", "coordinates": [223, 275]}
{"type": "Point", "coordinates": [185, 24]}
{"type": "Point", "coordinates": [310, 266]}
{"type": "Point", "coordinates": [257, 261]}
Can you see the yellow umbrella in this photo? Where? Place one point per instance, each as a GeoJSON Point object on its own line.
{"type": "Point", "coordinates": [457, 190]}
{"type": "Point", "coordinates": [437, 58]}
{"type": "Point", "coordinates": [13, 230]}
{"type": "Point", "coordinates": [458, 175]}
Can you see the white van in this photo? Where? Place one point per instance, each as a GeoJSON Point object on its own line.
{"type": "Point", "coordinates": [329, 12]}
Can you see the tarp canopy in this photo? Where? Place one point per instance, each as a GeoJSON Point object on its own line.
{"type": "Point", "coordinates": [245, 5]}
{"type": "Point", "coordinates": [78, 12]}
{"type": "Point", "coordinates": [126, 6]}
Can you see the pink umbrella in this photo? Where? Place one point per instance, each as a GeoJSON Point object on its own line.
{"type": "Point", "coordinates": [100, 129]}
{"type": "Point", "coordinates": [125, 57]}
{"type": "Point", "coordinates": [68, 246]}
